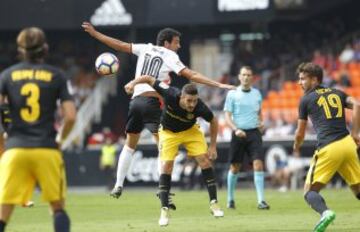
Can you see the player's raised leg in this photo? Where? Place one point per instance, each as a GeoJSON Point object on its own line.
{"type": "Point", "coordinates": [124, 162]}
{"type": "Point", "coordinates": [317, 203]}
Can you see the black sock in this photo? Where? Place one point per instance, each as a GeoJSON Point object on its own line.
{"type": "Point", "coordinates": [358, 196]}
{"type": "Point", "coordinates": [164, 189]}
{"type": "Point", "coordinates": [209, 179]}
{"type": "Point", "coordinates": [316, 201]}
{"type": "Point", "coordinates": [2, 226]}
{"type": "Point", "coordinates": [61, 221]}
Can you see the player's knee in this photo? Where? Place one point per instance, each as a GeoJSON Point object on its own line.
{"type": "Point", "coordinates": [205, 164]}
{"type": "Point", "coordinates": [203, 161]}
{"type": "Point", "coordinates": [307, 195]}
{"type": "Point", "coordinates": [258, 165]}
{"type": "Point", "coordinates": [167, 167]}
{"type": "Point", "coordinates": [235, 168]}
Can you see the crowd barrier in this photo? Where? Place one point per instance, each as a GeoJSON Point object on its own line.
{"type": "Point", "coordinates": [83, 169]}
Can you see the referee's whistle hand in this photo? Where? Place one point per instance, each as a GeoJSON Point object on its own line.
{"type": "Point", "coordinates": [240, 133]}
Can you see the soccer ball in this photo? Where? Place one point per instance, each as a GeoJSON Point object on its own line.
{"type": "Point", "coordinates": [107, 64]}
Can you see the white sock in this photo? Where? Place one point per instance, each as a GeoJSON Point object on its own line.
{"type": "Point", "coordinates": [124, 162]}
{"type": "Point", "coordinates": [159, 165]}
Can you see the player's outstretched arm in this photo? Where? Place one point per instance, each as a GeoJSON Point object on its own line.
{"type": "Point", "coordinates": [200, 78]}
{"type": "Point", "coordinates": [129, 87]}
{"type": "Point", "coordinates": [116, 44]}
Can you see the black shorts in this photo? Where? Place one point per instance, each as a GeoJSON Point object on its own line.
{"type": "Point", "coordinates": [143, 112]}
{"type": "Point", "coordinates": [251, 146]}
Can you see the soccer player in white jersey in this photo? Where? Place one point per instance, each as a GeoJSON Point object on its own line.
{"type": "Point", "coordinates": [144, 110]}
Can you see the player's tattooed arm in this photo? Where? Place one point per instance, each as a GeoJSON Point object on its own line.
{"type": "Point", "coordinates": [116, 44]}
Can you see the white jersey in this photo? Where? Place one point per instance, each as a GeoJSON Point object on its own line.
{"type": "Point", "coordinates": [155, 61]}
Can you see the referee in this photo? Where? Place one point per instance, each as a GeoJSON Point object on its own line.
{"type": "Point", "coordinates": [243, 114]}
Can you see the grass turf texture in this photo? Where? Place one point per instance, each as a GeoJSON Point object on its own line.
{"type": "Point", "coordinates": [138, 211]}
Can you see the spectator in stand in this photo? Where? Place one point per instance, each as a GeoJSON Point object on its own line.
{"type": "Point", "coordinates": [319, 58]}
{"type": "Point", "coordinates": [282, 173]}
{"type": "Point", "coordinates": [357, 51]}
{"type": "Point", "coordinates": [347, 54]}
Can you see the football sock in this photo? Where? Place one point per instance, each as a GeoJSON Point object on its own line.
{"type": "Point", "coordinates": [61, 221]}
{"type": "Point", "coordinates": [259, 185]}
{"type": "Point", "coordinates": [164, 189]}
{"type": "Point", "coordinates": [159, 164]}
{"type": "Point", "coordinates": [316, 201]}
{"type": "Point", "coordinates": [2, 226]}
{"type": "Point", "coordinates": [209, 179]}
{"type": "Point", "coordinates": [358, 196]}
{"type": "Point", "coordinates": [124, 162]}
{"type": "Point", "coordinates": [231, 185]}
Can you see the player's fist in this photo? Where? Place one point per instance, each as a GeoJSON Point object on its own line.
{"type": "Point", "coordinates": [212, 153]}
{"type": "Point", "coordinates": [89, 28]}
{"type": "Point", "coordinates": [129, 88]}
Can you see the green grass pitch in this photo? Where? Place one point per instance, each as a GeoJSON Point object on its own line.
{"type": "Point", "coordinates": [138, 211]}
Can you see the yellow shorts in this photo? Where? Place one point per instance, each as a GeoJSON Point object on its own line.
{"type": "Point", "coordinates": [339, 156]}
{"type": "Point", "coordinates": [193, 140]}
{"type": "Point", "coordinates": [22, 168]}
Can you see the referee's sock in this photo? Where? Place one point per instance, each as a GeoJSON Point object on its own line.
{"type": "Point", "coordinates": [2, 226]}
{"type": "Point", "coordinates": [259, 185]}
{"type": "Point", "coordinates": [315, 200]}
{"type": "Point", "coordinates": [231, 185]}
{"type": "Point", "coordinates": [164, 189]}
{"type": "Point", "coordinates": [61, 221]}
{"type": "Point", "coordinates": [209, 179]}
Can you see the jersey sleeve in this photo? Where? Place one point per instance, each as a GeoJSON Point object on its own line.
{"type": "Point", "coordinates": [228, 106]}
{"type": "Point", "coordinates": [343, 97]}
{"type": "Point", "coordinates": [3, 90]}
{"type": "Point", "coordinates": [64, 94]}
{"type": "Point", "coordinates": [174, 63]}
{"type": "Point", "coordinates": [165, 90]}
{"type": "Point", "coordinates": [205, 112]}
{"type": "Point", "coordinates": [303, 112]}
{"type": "Point", "coordinates": [137, 49]}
